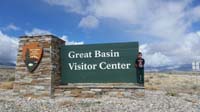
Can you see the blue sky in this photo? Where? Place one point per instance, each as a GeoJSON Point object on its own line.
{"type": "Point", "coordinates": [168, 30]}
{"type": "Point", "coordinates": [29, 14]}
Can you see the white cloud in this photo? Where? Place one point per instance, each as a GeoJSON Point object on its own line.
{"type": "Point", "coordinates": [11, 27]}
{"type": "Point", "coordinates": [89, 22]}
{"type": "Point", "coordinates": [170, 21]}
{"type": "Point", "coordinates": [8, 47]}
{"type": "Point", "coordinates": [154, 59]}
{"type": "Point", "coordinates": [67, 42]}
{"type": "Point", "coordinates": [158, 18]}
{"type": "Point", "coordinates": [157, 59]}
{"type": "Point", "coordinates": [167, 20]}
{"type": "Point", "coordinates": [37, 31]}
{"type": "Point", "coordinates": [69, 5]}
{"type": "Point", "coordinates": [129, 11]}
{"type": "Point", "coordinates": [172, 53]}
{"type": "Point", "coordinates": [194, 14]}
{"type": "Point", "coordinates": [9, 44]}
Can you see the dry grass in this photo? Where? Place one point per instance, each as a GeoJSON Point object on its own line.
{"type": "Point", "coordinates": [6, 85]}
{"type": "Point", "coordinates": [65, 103]}
{"type": "Point", "coordinates": [173, 83]}
{"type": "Point", "coordinates": [139, 94]}
{"type": "Point", "coordinates": [7, 74]}
{"type": "Point", "coordinates": [7, 77]}
{"type": "Point", "coordinates": [76, 92]}
{"type": "Point", "coordinates": [172, 92]}
{"type": "Point", "coordinates": [151, 87]}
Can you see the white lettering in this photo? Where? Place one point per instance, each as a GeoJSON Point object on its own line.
{"type": "Point", "coordinates": [107, 66]}
{"type": "Point", "coordinates": [73, 54]}
{"type": "Point", "coordinates": [82, 66]}
{"type": "Point", "coordinates": [111, 53]}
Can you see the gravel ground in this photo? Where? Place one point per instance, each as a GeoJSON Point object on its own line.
{"type": "Point", "coordinates": [153, 101]}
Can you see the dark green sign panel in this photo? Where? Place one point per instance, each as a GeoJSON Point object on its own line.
{"type": "Point", "coordinates": [99, 63]}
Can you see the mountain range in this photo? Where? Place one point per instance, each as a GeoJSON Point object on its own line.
{"type": "Point", "coordinates": [7, 65]}
{"type": "Point", "coordinates": [184, 67]}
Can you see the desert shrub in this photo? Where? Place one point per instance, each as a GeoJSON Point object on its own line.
{"type": "Point", "coordinates": [162, 76]}
{"type": "Point", "coordinates": [151, 77]}
{"type": "Point", "coordinates": [11, 79]}
{"type": "Point", "coordinates": [195, 87]}
{"type": "Point", "coordinates": [146, 80]}
{"type": "Point", "coordinates": [171, 92]}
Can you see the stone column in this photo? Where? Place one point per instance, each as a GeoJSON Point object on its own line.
{"type": "Point", "coordinates": [42, 80]}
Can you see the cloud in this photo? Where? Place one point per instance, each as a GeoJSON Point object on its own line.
{"type": "Point", "coordinates": [8, 47]}
{"type": "Point", "coordinates": [89, 22]}
{"type": "Point", "coordinates": [157, 59]}
{"type": "Point", "coordinates": [69, 5]}
{"type": "Point", "coordinates": [174, 53]}
{"type": "Point", "coordinates": [11, 27]}
{"type": "Point", "coordinates": [194, 14]}
{"type": "Point", "coordinates": [9, 44]}
{"type": "Point", "coordinates": [115, 9]}
{"type": "Point", "coordinates": [67, 42]}
{"type": "Point", "coordinates": [168, 22]}
{"type": "Point", "coordinates": [128, 11]}
{"type": "Point", "coordinates": [157, 18]}
{"type": "Point", "coordinates": [154, 59]}
{"type": "Point", "coordinates": [37, 31]}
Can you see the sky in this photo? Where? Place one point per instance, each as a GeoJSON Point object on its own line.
{"type": "Point", "coordinates": [168, 31]}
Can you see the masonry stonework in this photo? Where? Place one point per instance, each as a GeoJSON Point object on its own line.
{"type": "Point", "coordinates": [46, 76]}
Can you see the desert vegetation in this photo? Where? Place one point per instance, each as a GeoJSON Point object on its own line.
{"type": "Point", "coordinates": [173, 83]}
{"type": "Point", "coordinates": [7, 77]}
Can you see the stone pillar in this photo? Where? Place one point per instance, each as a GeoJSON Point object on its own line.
{"type": "Point", "coordinates": [47, 74]}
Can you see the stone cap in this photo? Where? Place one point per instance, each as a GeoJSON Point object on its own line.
{"type": "Point", "coordinates": [47, 35]}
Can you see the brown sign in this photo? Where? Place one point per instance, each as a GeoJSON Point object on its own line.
{"type": "Point", "coordinates": [32, 54]}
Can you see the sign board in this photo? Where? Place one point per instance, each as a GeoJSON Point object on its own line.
{"type": "Point", "coordinates": [99, 63]}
